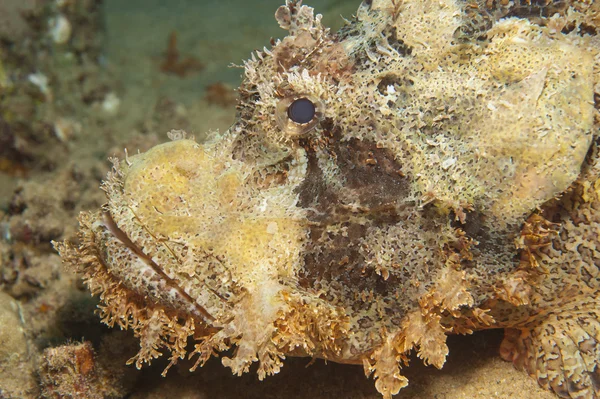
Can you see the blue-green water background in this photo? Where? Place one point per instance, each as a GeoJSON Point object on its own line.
{"type": "Point", "coordinates": [217, 32]}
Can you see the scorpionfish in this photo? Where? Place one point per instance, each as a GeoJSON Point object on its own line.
{"type": "Point", "coordinates": [433, 168]}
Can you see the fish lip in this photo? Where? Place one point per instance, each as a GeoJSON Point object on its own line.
{"type": "Point", "coordinates": [111, 226]}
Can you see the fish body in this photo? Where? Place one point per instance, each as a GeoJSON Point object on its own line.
{"type": "Point", "coordinates": [430, 169]}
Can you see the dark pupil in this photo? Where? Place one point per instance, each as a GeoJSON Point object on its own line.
{"type": "Point", "coordinates": [301, 111]}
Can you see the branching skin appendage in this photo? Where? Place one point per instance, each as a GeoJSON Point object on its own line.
{"type": "Point", "coordinates": [431, 169]}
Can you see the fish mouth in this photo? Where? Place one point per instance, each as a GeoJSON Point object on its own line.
{"type": "Point", "coordinates": [196, 230]}
{"type": "Point", "coordinates": [170, 283]}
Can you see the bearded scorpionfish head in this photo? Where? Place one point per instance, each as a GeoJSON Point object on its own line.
{"type": "Point", "coordinates": [365, 203]}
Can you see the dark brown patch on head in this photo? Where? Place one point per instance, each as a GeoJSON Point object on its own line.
{"type": "Point", "coordinates": [314, 192]}
{"type": "Point", "coordinates": [371, 174]}
{"type": "Point", "coordinates": [333, 261]}
{"type": "Point", "coordinates": [595, 377]}
{"type": "Point", "coordinates": [475, 24]}
{"type": "Point", "coordinates": [368, 191]}
{"type": "Point", "coordinates": [479, 228]}
{"type": "Point", "coordinates": [400, 84]}
{"type": "Point", "coordinates": [370, 181]}
{"type": "Point", "coordinates": [473, 226]}
{"type": "Point", "coordinates": [333, 255]}
{"type": "Point", "coordinates": [396, 43]}
{"type": "Point", "coordinates": [536, 11]}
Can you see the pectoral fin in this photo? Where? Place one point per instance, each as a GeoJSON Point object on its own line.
{"type": "Point", "coordinates": [562, 351]}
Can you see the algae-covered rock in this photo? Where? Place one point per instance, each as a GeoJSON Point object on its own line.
{"type": "Point", "coordinates": [77, 371]}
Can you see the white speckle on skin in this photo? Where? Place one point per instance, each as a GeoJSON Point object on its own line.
{"type": "Point", "coordinates": [263, 206]}
{"type": "Point", "coordinates": [272, 228]}
{"type": "Point", "coordinates": [448, 163]}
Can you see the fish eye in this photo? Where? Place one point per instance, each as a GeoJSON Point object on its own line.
{"type": "Point", "coordinates": [298, 114]}
{"type": "Point", "coordinates": [302, 110]}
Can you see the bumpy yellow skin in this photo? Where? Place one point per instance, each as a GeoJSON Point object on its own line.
{"type": "Point", "coordinates": [448, 182]}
